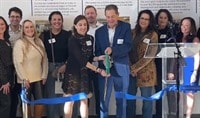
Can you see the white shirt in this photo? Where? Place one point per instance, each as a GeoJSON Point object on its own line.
{"type": "Point", "coordinates": [93, 28]}
{"type": "Point", "coordinates": [91, 31]}
{"type": "Point", "coordinates": [111, 33]}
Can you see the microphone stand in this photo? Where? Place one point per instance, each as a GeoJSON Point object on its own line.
{"type": "Point", "coordinates": [180, 62]}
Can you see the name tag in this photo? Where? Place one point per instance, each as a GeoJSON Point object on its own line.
{"type": "Point", "coordinates": [146, 40]}
{"type": "Point", "coordinates": [163, 36]}
{"type": "Point", "coordinates": [120, 41]}
{"type": "Point", "coordinates": [88, 43]}
{"type": "Point", "coordinates": [53, 40]}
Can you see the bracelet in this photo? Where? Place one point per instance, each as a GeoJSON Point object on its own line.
{"type": "Point", "coordinates": [100, 70]}
{"type": "Point", "coordinates": [96, 70]}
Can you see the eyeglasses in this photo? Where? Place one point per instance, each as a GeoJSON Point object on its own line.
{"type": "Point", "coordinates": [146, 19]}
{"type": "Point", "coordinates": [17, 17]}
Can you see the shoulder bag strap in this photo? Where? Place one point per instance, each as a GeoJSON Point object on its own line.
{"type": "Point", "coordinates": [52, 48]}
{"type": "Point", "coordinates": [36, 48]}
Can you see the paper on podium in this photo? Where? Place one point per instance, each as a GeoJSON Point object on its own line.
{"type": "Point", "coordinates": [169, 50]}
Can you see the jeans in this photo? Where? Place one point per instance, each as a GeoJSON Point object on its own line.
{"type": "Point", "coordinates": [120, 85]}
{"type": "Point", "coordinates": [147, 105]}
{"type": "Point", "coordinates": [131, 104]}
{"type": "Point", "coordinates": [53, 111]}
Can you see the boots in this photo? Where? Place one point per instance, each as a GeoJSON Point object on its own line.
{"type": "Point", "coordinates": [38, 111]}
{"type": "Point", "coordinates": [29, 112]}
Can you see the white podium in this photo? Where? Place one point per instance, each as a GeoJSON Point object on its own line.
{"type": "Point", "coordinates": [169, 53]}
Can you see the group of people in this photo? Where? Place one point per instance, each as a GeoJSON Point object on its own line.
{"type": "Point", "coordinates": [183, 32]}
{"type": "Point", "coordinates": [78, 56]}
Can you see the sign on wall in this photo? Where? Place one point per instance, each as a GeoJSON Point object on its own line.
{"type": "Point", "coordinates": [128, 9]}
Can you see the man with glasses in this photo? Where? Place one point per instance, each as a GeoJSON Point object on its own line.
{"type": "Point", "coordinates": [15, 17]}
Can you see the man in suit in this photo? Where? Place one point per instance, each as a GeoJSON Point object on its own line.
{"type": "Point", "coordinates": [114, 38]}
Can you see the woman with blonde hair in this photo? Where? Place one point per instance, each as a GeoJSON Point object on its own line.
{"type": "Point", "coordinates": [31, 65]}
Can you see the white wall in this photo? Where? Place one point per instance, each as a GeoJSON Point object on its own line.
{"type": "Point", "coordinates": [40, 9]}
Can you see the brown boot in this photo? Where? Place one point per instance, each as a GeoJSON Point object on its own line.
{"type": "Point", "coordinates": [38, 111]}
{"type": "Point", "coordinates": [29, 112]}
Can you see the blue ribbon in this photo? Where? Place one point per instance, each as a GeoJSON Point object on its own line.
{"type": "Point", "coordinates": [158, 95]}
{"type": "Point", "coordinates": [57, 100]}
{"type": "Point", "coordinates": [81, 96]}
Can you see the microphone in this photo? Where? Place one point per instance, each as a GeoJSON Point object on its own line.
{"type": "Point", "coordinates": [171, 30]}
{"type": "Point", "coordinates": [171, 38]}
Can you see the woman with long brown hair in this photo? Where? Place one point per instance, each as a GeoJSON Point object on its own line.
{"type": "Point", "coordinates": [6, 69]}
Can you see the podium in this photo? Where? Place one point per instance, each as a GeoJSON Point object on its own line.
{"type": "Point", "coordinates": [178, 56]}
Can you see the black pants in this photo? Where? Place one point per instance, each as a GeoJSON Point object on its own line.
{"type": "Point", "coordinates": [36, 89]}
{"type": "Point", "coordinates": [15, 98]}
{"type": "Point", "coordinates": [158, 87]}
{"type": "Point", "coordinates": [4, 105]}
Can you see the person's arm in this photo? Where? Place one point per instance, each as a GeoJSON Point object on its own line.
{"type": "Point", "coordinates": [141, 63]}
{"type": "Point", "coordinates": [82, 60]}
{"type": "Point", "coordinates": [196, 68]}
{"type": "Point", "coordinates": [44, 64]}
{"type": "Point", "coordinates": [171, 68]}
{"type": "Point", "coordinates": [18, 59]}
{"type": "Point", "coordinates": [96, 69]}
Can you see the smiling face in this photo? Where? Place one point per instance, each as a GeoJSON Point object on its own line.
{"type": "Point", "coordinates": [56, 21]}
{"type": "Point", "coordinates": [111, 18]}
{"type": "Point", "coordinates": [81, 27]}
{"type": "Point", "coordinates": [2, 27]}
{"type": "Point", "coordinates": [186, 26]}
{"type": "Point", "coordinates": [28, 29]}
{"type": "Point", "coordinates": [91, 15]}
{"type": "Point", "coordinates": [163, 20]}
{"type": "Point", "coordinates": [15, 18]}
{"type": "Point", "coordinates": [144, 21]}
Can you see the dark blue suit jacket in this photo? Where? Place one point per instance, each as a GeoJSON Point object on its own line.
{"type": "Point", "coordinates": [121, 44]}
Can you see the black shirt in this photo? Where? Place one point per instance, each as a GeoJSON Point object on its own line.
{"type": "Point", "coordinates": [6, 63]}
{"type": "Point", "coordinates": [60, 45]}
